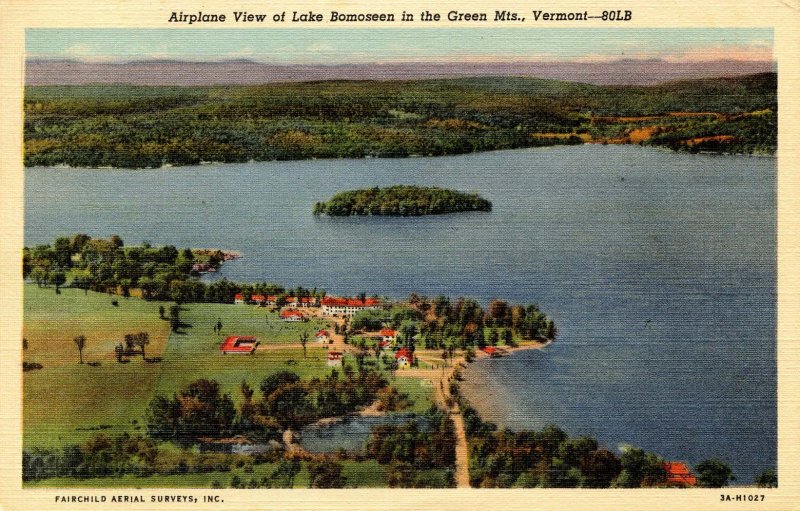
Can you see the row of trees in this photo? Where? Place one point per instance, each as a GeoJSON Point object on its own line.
{"type": "Point", "coordinates": [551, 459]}
{"type": "Point", "coordinates": [401, 200]}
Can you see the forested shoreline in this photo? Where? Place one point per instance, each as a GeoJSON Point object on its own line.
{"type": "Point", "coordinates": [150, 127]}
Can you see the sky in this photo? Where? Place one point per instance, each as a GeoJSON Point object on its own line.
{"type": "Point", "coordinates": [363, 45]}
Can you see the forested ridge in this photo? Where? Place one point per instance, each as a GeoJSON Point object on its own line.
{"type": "Point", "coordinates": [142, 126]}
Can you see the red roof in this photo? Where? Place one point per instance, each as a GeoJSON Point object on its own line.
{"type": "Point", "coordinates": [331, 301]}
{"type": "Point", "coordinates": [288, 313]}
{"type": "Point", "coordinates": [333, 355]}
{"type": "Point", "coordinates": [293, 299]}
{"type": "Point", "coordinates": [679, 473]}
{"type": "Point", "coordinates": [489, 349]}
{"type": "Point", "coordinates": [403, 352]}
{"type": "Point", "coordinates": [323, 333]}
{"type": "Point", "coordinates": [235, 343]}
{"type": "Point", "coordinates": [388, 332]}
{"type": "Point", "coordinates": [238, 296]}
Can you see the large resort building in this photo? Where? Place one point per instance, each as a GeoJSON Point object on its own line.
{"type": "Point", "coordinates": [332, 306]}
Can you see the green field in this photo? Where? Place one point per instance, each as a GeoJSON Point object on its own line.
{"type": "Point", "coordinates": [66, 402]}
{"type": "Point", "coordinates": [64, 398]}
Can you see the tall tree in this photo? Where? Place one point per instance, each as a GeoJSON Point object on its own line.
{"type": "Point", "coordinates": [142, 339]}
{"type": "Point", "coordinates": [80, 342]}
{"type": "Point", "coordinates": [303, 342]}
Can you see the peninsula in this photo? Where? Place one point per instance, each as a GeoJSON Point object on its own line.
{"type": "Point", "coordinates": [401, 200]}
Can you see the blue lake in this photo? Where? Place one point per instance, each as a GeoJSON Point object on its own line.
{"type": "Point", "coordinates": [659, 269]}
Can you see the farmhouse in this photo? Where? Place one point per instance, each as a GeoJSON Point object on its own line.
{"type": "Point", "coordinates": [678, 474]}
{"type": "Point", "coordinates": [292, 315]}
{"type": "Point", "coordinates": [388, 335]}
{"type": "Point", "coordinates": [323, 336]}
{"type": "Point", "coordinates": [332, 306]}
{"type": "Point", "coordinates": [335, 358]}
{"type": "Point", "coordinates": [404, 358]}
{"type": "Point", "coordinates": [239, 345]}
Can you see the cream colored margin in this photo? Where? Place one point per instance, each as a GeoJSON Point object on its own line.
{"type": "Point", "coordinates": [783, 16]}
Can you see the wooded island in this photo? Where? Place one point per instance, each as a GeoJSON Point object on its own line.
{"type": "Point", "coordinates": [401, 200]}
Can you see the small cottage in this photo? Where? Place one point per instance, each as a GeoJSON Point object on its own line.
{"type": "Point", "coordinates": [292, 315]}
{"type": "Point", "coordinates": [334, 359]}
{"type": "Point", "coordinates": [404, 358]}
{"type": "Point", "coordinates": [388, 335]}
{"type": "Point", "coordinates": [323, 336]}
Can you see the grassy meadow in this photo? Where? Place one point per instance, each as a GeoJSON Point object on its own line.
{"type": "Point", "coordinates": [67, 402]}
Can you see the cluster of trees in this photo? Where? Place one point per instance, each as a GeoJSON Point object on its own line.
{"type": "Point", "coordinates": [440, 323]}
{"type": "Point", "coordinates": [201, 411]}
{"type": "Point", "coordinates": [125, 454]}
{"type": "Point", "coordinates": [401, 200]}
{"type": "Point", "coordinates": [159, 273]}
{"type": "Point", "coordinates": [412, 452]}
{"type": "Point", "coordinates": [124, 126]}
{"type": "Point", "coordinates": [551, 459]}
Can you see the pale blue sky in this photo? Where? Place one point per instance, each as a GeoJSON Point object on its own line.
{"type": "Point", "coordinates": [343, 45]}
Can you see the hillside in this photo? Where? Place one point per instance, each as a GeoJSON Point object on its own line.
{"type": "Point", "coordinates": [138, 126]}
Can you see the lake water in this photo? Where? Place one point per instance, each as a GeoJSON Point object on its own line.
{"type": "Point", "coordinates": [659, 269]}
{"type": "Point", "coordinates": [352, 432]}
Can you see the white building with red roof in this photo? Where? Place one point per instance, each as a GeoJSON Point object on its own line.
{"type": "Point", "coordinates": [334, 306]}
{"type": "Point", "coordinates": [292, 315]}
{"type": "Point", "coordinates": [334, 358]}
{"type": "Point", "coordinates": [323, 336]}
{"type": "Point", "coordinates": [404, 358]}
{"type": "Point", "coordinates": [388, 335]}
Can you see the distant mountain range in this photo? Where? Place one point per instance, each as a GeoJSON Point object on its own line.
{"type": "Point", "coordinates": [248, 72]}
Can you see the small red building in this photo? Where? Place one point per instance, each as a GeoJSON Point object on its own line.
{"type": "Point", "coordinates": [678, 474]}
{"type": "Point", "coordinates": [334, 358]}
{"type": "Point", "coordinates": [404, 358]}
{"type": "Point", "coordinates": [239, 345]}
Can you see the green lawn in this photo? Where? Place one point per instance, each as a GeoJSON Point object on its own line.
{"type": "Point", "coordinates": [420, 392]}
{"type": "Point", "coordinates": [65, 395]}
{"type": "Point", "coordinates": [66, 402]}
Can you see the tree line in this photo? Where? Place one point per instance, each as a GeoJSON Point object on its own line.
{"type": "Point", "coordinates": [137, 127]}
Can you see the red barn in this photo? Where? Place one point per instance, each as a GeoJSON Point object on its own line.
{"type": "Point", "coordinates": [239, 345]}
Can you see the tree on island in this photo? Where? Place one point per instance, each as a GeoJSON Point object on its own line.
{"type": "Point", "coordinates": [714, 473]}
{"type": "Point", "coordinates": [80, 342]}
